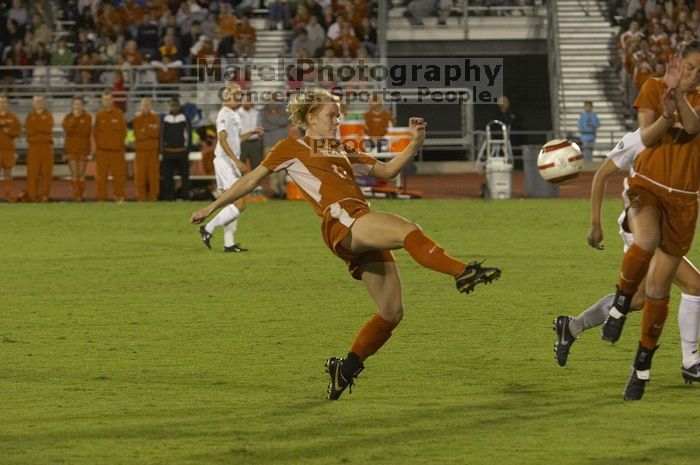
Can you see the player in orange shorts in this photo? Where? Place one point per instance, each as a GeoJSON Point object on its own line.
{"type": "Point", "coordinates": [10, 128]}
{"type": "Point", "coordinates": [325, 172]}
{"type": "Point", "coordinates": [661, 205]}
{"type": "Point", "coordinates": [78, 128]}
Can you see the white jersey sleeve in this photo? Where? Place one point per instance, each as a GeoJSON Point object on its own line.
{"type": "Point", "coordinates": [626, 150]}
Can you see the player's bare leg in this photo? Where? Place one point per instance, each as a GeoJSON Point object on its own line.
{"type": "Point", "coordinates": [384, 286]}
{"type": "Point", "coordinates": [386, 231]}
{"type": "Point", "coordinates": [7, 184]}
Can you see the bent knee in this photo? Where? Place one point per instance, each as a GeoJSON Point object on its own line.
{"type": "Point", "coordinates": [392, 314]}
{"type": "Point", "coordinates": [240, 205]}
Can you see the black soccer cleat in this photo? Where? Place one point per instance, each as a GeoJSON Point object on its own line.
{"type": "Point", "coordinates": [635, 387]}
{"type": "Point", "coordinates": [692, 374]}
{"type": "Point", "coordinates": [235, 248]}
{"type": "Point", "coordinates": [612, 328]}
{"type": "Point", "coordinates": [206, 237]}
{"type": "Point", "coordinates": [342, 373]}
{"type": "Point", "coordinates": [474, 274]}
{"type": "Point", "coordinates": [564, 339]}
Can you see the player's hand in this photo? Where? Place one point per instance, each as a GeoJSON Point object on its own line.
{"type": "Point", "coordinates": [200, 215]}
{"type": "Point", "coordinates": [242, 167]}
{"type": "Point", "coordinates": [669, 103]}
{"type": "Point", "coordinates": [674, 72]}
{"type": "Point", "coordinates": [260, 131]}
{"type": "Point", "coordinates": [595, 237]}
{"type": "Point", "coordinates": [416, 126]}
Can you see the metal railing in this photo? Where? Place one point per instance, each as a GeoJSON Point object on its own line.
{"type": "Point", "coordinates": [554, 66]}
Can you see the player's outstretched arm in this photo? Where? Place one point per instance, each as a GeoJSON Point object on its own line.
{"type": "Point", "coordinates": [247, 183]}
{"type": "Point", "coordinates": [600, 181]}
{"type": "Point", "coordinates": [391, 168]}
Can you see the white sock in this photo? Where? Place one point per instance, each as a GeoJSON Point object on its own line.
{"type": "Point", "coordinates": [229, 231]}
{"type": "Point", "coordinates": [225, 216]}
{"type": "Point", "coordinates": [688, 325]}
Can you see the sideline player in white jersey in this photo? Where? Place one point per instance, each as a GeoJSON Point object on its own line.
{"type": "Point", "coordinates": [687, 277]}
{"type": "Point", "coordinates": [228, 168]}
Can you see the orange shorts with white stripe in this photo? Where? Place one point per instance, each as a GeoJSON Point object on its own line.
{"type": "Point", "coordinates": [338, 218]}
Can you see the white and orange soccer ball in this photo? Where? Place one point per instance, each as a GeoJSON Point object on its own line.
{"type": "Point", "coordinates": [560, 160]}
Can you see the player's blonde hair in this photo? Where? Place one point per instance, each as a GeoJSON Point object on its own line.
{"type": "Point", "coordinates": [308, 102]}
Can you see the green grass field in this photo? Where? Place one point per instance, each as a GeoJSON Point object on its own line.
{"type": "Point", "coordinates": [124, 341]}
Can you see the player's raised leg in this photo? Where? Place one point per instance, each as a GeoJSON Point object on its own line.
{"type": "Point", "coordinates": [384, 285]}
{"type": "Point", "coordinates": [382, 231]}
{"type": "Point", "coordinates": [644, 223]}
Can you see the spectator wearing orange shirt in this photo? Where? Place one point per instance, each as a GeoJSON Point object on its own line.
{"type": "Point", "coordinates": [77, 126]}
{"type": "Point", "coordinates": [245, 39]}
{"type": "Point", "coordinates": [346, 44]}
{"type": "Point", "coordinates": [228, 23]}
{"type": "Point", "coordinates": [109, 133]}
{"type": "Point", "coordinates": [378, 121]}
{"type": "Point", "coordinates": [39, 126]}
{"type": "Point", "coordinates": [9, 130]}
{"type": "Point", "coordinates": [147, 132]}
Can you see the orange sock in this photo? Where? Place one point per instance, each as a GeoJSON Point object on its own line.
{"type": "Point", "coordinates": [634, 267]}
{"type": "Point", "coordinates": [372, 336]}
{"type": "Point", "coordinates": [429, 254]}
{"type": "Point", "coordinates": [653, 319]}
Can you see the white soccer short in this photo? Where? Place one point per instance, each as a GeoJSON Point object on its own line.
{"type": "Point", "coordinates": [226, 172]}
{"type": "Point", "coordinates": [627, 238]}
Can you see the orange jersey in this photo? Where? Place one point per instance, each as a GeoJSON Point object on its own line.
{"type": "Point", "coordinates": [110, 130]}
{"type": "Point", "coordinates": [39, 128]}
{"type": "Point", "coordinates": [675, 160]}
{"type": "Point", "coordinates": [9, 130]}
{"type": "Point", "coordinates": [147, 132]}
{"type": "Point", "coordinates": [377, 123]}
{"type": "Point", "coordinates": [78, 130]}
{"type": "Point", "coordinates": [246, 33]}
{"type": "Point", "coordinates": [325, 177]}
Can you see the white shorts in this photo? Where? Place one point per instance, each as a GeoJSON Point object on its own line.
{"type": "Point", "coordinates": [627, 238]}
{"type": "Point", "coordinates": [226, 172]}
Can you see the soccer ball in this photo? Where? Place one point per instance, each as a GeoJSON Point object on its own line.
{"type": "Point", "coordinates": [560, 160]}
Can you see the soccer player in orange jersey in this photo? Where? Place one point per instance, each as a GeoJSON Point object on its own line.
{"type": "Point", "coordinates": [325, 172]}
{"type": "Point", "coordinates": [39, 125]}
{"type": "Point", "coordinates": [78, 128]}
{"type": "Point", "coordinates": [661, 204]}
{"type": "Point", "coordinates": [10, 128]}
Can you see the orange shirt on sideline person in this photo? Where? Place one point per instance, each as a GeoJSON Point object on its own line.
{"type": "Point", "coordinates": [10, 128]}
{"type": "Point", "coordinates": [78, 130]}
{"type": "Point", "coordinates": [377, 122]}
{"type": "Point", "coordinates": [147, 132]}
{"type": "Point", "coordinates": [110, 130]}
{"type": "Point", "coordinates": [39, 128]}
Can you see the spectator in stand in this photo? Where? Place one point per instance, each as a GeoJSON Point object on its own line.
{"type": "Point", "coordinates": [41, 33]}
{"type": "Point", "coordinates": [210, 25]}
{"type": "Point", "coordinates": [168, 49]}
{"type": "Point", "coordinates": [245, 39]}
{"type": "Point", "coordinates": [643, 70]}
{"type": "Point", "coordinates": [658, 36]}
{"type": "Point", "coordinates": [251, 133]}
{"type": "Point", "coordinates": [9, 77]}
{"type": "Point", "coordinates": [11, 34]}
{"type": "Point", "coordinates": [111, 21]}
{"type": "Point", "coordinates": [346, 44]}
{"type": "Point", "coordinates": [228, 23]}
{"type": "Point", "coordinates": [41, 56]}
{"type": "Point", "coordinates": [83, 74]}
{"type": "Point", "coordinates": [367, 35]}
{"type": "Point", "coordinates": [18, 13]}
{"type": "Point", "coordinates": [276, 14]}
{"type": "Point", "coordinates": [147, 36]}
{"type": "Point", "coordinates": [77, 126]}
{"type": "Point", "coordinates": [316, 33]}
{"type": "Point", "coordinates": [168, 20]}
{"type": "Point", "coordinates": [377, 122]}
{"type": "Point", "coordinates": [86, 20]}
{"type": "Point", "coordinates": [39, 125]}
{"type": "Point", "coordinates": [301, 41]}
{"type": "Point", "coordinates": [300, 20]}
{"type": "Point", "coordinates": [62, 55]}
{"type": "Point", "coordinates": [334, 30]}
{"type": "Point", "coordinates": [588, 124]}
{"type": "Point", "coordinates": [246, 7]}
{"type": "Point", "coordinates": [118, 93]}
{"type": "Point", "coordinates": [83, 44]}
{"type": "Point", "coordinates": [131, 54]}
{"type": "Point", "coordinates": [328, 18]}
{"type": "Point", "coordinates": [679, 7]}
{"type": "Point", "coordinates": [189, 40]}
{"type": "Point", "coordinates": [274, 122]}
{"type": "Point", "coordinates": [147, 132]}
{"type": "Point", "coordinates": [419, 9]}
{"type": "Point", "coordinates": [109, 133]}
{"type": "Point", "coordinates": [505, 115]}
{"type": "Point", "coordinates": [175, 144]}
{"type": "Point", "coordinates": [10, 129]}
{"type": "Point", "coordinates": [168, 71]}
{"type": "Point", "coordinates": [131, 11]}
